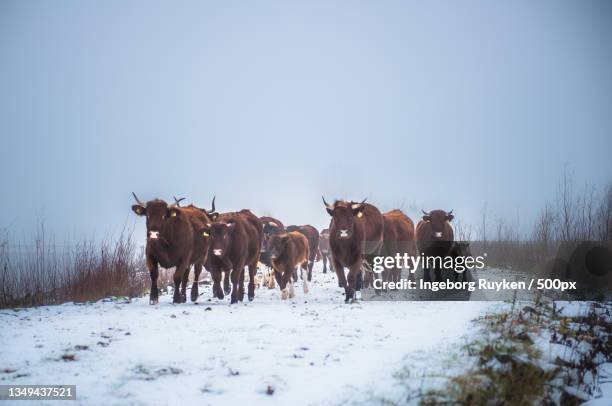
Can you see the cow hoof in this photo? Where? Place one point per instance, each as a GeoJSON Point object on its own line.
{"type": "Point", "coordinates": [227, 291]}
{"type": "Point", "coordinates": [153, 301]}
{"type": "Point", "coordinates": [251, 297]}
{"type": "Point", "coordinates": [233, 301]}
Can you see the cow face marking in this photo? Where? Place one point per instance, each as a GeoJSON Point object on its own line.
{"type": "Point", "coordinates": [343, 216]}
{"type": "Point", "coordinates": [219, 237]}
{"type": "Point", "coordinates": [438, 219]}
{"type": "Point", "coordinates": [157, 212]}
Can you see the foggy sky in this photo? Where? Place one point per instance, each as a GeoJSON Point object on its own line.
{"type": "Point", "coordinates": [270, 104]}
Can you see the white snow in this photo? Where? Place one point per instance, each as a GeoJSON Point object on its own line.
{"type": "Point", "coordinates": [313, 349]}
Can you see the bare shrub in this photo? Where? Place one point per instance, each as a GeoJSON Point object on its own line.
{"type": "Point", "coordinates": [42, 272]}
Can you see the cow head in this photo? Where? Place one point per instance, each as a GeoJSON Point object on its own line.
{"type": "Point", "coordinates": [220, 234]}
{"type": "Point", "coordinates": [158, 215]}
{"type": "Point", "coordinates": [269, 228]}
{"type": "Point", "coordinates": [438, 220]}
{"type": "Point", "coordinates": [344, 214]}
{"type": "Point", "coordinates": [276, 245]}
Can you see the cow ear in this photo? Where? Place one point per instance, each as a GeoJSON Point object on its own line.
{"type": "Point", "coordinates": [330, 211]}
{"type": "Point", "coordinates": [427, 218]}
{"type": "Point", "coordinates": [213, 216]}
{"type": "Point", "coordinates": [358, 211]}
{"type": "Point", "coordinates": [450, 217]}
{"type": "Point", "coordinates": [174, 211]}
{"type": "Point", "coordinates": [138, 209]}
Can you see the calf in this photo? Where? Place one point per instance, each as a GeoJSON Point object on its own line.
{"type": "Point", "coordinates": [355, 235]}
{"type": "Point", "coordinates": [287, 251]}
{"type": "Point", "coordinates": [312, 235]}
{"type": "Point", "coordinates": [235, 242]}
{"type": "Point", "coordinates": [271, 226]}
{"type": "Point", "coordinates": [324, 249]}
{"type": "Point", "coordinates": [172, 241]}
{"type": "Point", "coordinates": [435, 237]}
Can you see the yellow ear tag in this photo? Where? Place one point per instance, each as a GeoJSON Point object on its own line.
{"type": "Point", "coordinates": [173, 214]}
{"type": "Point", "coordinates": [360, 214]}
{"type": "Point", "coordinates": [205, 234]}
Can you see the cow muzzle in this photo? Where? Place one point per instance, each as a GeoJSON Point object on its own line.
{"type": "Point", "coordinates": [154, 235]}
{"type": "Point", "coordinates": [344, 233]}
{"type": "Point", "coordinates": [218, 252]}
{"type": "Point", "coordinates": [438, 234]}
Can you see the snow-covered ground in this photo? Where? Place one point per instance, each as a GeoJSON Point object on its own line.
{"type": "Point", "coordinates": [313, 349]}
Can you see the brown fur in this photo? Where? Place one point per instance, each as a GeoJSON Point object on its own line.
{"type": "Point", "coordinates": [435, 236]}
{"type": "Point", "coordinates": [324, 249]}
{"type": "Point", "coordinates": [238, 236]}
{"type": "Point", "coordinates": [363, 224]}
{"type": "Point", "coordinates": [312, 235]}
{"type": "Point", "coordinates": [287, 251]}
{"type": "Point", "coordinates": [270, 226]}
{"type": "Point", "coordinates": [399, 238]}
{"type": "Point", "coordinates": [177, 244]}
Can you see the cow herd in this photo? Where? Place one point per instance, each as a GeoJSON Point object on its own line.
{"type": "Point", "coordinates": [227, 243]}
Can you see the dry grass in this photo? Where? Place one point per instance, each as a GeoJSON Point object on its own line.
{"type": "Point", "coordinates": [38, 273]}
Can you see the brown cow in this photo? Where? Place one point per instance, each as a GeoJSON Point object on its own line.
{"type": "Point", "coordinates": [312, 235]}
{"type": "Point", "coordinates": [287, 251]}
{"type": "Point", "coordinates": [235, 242]}
{"type": "Point", "coordinates": [355, 235]}
{"type": "Point", "coordinates": [324, 249]}
{"type": "Point", "coordinates": [270, 226]}
{"type": "Point", "coordinates": [398, 239]}
{"type": "Point", "coordinates": [173, 240]}
{"type": "Point", "coordinates": [435, 237]}
{"type": "Point", "coordinates": [204, 216]}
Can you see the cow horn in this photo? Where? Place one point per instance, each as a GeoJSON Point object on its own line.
{"type": "Point", "coordinates": [213, 205]}
{"type": "Point", "coordinates": [329, 206]}
{"type": "Point", "coordinates": [138, 200]}
{"type": "Point", "coordinates": [424, 212]}
{"type": "Point", "coordinates": [449, 213]}
{"type": "Point", "coordinates": [177, 202]}
{"type": "Point", "coordinates": [357, 205]}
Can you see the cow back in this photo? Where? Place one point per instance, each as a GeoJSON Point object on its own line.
{"type": "Point", "coordinates": [399, 234]}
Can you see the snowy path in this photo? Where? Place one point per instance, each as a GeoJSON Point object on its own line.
{"type": "Point", "coordinates": [311, 350]}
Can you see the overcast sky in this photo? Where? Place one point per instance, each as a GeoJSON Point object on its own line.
{"type": "Point", "coordinates": [270, 104]}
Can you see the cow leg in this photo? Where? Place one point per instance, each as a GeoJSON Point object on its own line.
{"type": "Point", "coordinates": [310, 266]}
{"type": "Point", "coordinates": [291, 291]}
{"type": "Point", "coordinates": [339, 273]}
{"type": "Point", "coordinates": [295, 274]}
{"type": "Point", "coordinates": [226, 281]}
{"type": "Point", "coordinates": [241, 285]}
{"type": "Point", "coordinates": [277, 277]}
{"type": "Point", "coordinates": [197, 270]}
{"type": "Point", "coordinates": [217, 290]}
{"type": "Point", "coordinates": [285, 279]}
{"type": "Point", "coordinates": [154, 274]}
{"type": "Point", "coordinates": [324, 258]}
{"type": "Point", "coordinates": [305, 280]}
{"type": "Point", "coordinates": [272, 278]}
{"type": "Point", "coordinates": [184, 281]}
{"type": "Point", "coordinates": [252, 274]}
{"type": "Point", "coordinates": [177, 278]}
{"type": "Point", "coordinates": [236, 272]}
{"type": "Point", "coordinates": [353, 281]}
